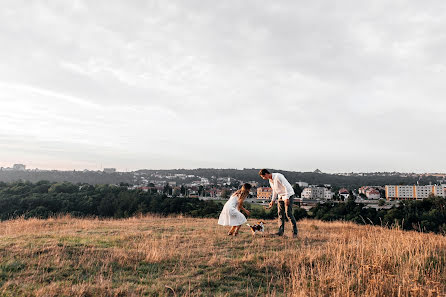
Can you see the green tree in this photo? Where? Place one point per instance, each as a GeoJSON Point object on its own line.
{"type": "Point", "coordinates": [300, 213]}
{"type": "Point", "coordinates": [201, 190]}
{"type": "Point", "coordinates": [297, 190]}
{"type": "Point", "coordinates": [183, 190]}
{"type": "Point", "coordinates": [176, 192]}
{"type": "Point", "coordinates": [167, 189]}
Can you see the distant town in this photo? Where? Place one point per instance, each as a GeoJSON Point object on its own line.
{"type": "Point", "coordinates": [218, 184]}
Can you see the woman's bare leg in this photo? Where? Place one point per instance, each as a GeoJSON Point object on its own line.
{"type": "Point", "coordinates": [231, 231]}
{"type": "Point", "coordinates": [236, 229]}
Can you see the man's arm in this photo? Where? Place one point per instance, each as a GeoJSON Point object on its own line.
{"type": "Point", "coordinates": [274, 196]}
{"type": "Point", "coordinates": [288, 189]}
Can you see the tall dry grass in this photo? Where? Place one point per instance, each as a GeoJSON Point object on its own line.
{"type": "Point", "coordinates": [154, 256]}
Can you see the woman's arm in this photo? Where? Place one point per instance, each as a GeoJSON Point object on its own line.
{"type": "Point", "coordinates": [240, 206]}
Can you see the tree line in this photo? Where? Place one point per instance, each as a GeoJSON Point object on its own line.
{"type": "Point", "coordinates": [427, 215]}
{"type": "Point", "coordinates": [44, 199]}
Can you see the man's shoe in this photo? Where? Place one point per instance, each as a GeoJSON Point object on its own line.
{"type": "Point", "coordinates": [294, 235]}
{"type": "Point", "coordinates": [276, 234]}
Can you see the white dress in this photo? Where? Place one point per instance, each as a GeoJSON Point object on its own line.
{"type": "Point", "coordinates": [231, 215]}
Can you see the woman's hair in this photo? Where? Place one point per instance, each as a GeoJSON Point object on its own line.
{"type": "Point", "coordinates": [243, 192]}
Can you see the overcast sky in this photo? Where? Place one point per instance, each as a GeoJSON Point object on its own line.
{"type": "Point", "coordinates": [336, 85]}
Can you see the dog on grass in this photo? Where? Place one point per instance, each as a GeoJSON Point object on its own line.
{"type": "Point", "coordinates": [259, 227]}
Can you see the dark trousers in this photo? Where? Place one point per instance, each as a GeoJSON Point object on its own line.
{"type": "Point", "coordinates": [287, 211]}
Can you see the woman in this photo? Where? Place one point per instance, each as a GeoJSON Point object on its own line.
{"type": "Point", "coordinates": [231, 215]}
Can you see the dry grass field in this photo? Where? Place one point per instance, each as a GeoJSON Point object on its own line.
{"type": "Point", "coordinates": [152, 256]}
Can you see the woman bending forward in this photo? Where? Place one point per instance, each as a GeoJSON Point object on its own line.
{"type": "Point", "coordinates": [231, 215]}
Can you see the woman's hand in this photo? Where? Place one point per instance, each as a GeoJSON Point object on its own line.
{"type": "Point", "coordinates": [247, 212]}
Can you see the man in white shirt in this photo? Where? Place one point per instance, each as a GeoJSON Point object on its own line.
{"type": "Point", "coordinates": [282, 190]}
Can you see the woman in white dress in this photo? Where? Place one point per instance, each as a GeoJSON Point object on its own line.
{"type": "Point", "coordinates": [231, 215]}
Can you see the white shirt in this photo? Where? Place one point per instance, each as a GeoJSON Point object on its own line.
{"type": "Point", "coordinates": [281, 187]}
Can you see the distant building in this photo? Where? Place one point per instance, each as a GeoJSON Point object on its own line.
{"type": "Point", "coordinates": [253, 193]}
{"type": "Point", "coordinates": [19, 167]}
{"type": "Point", "coordinates": [302, 184]}
{"type": "Point", "coordinates": [211, 192]}
{"type": "Point", "coordinates": [264, 193]}
{"type": "Point", "coordinates": [373, 194]}
{"type": "Point", "coordinates": [109, 170]}
{"type": "Point", "coordinates": [314, 192]}
{"type": "Point", "coordinates": [370, 192]}
{"type": "Point", "coordinates": [414, 192]}
{"type": "Point", "coordinates": [145, 189]}
{"type": "Point", "coordinates": [181, 176]}
{"type": "Point", "coordinates": [253, 183]}
{"type": "Point", "coordinates": [344, 193]}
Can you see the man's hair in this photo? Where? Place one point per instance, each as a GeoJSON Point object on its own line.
{"type": "Point", "coordinates": [263, 172]}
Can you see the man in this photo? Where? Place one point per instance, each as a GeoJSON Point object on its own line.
{"type": "Point", "coordinates": [284, 191]}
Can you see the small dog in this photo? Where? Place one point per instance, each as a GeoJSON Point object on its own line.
{"type": "Point", "coordinates": [257, 227]}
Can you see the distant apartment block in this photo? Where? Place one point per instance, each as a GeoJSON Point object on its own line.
{"type": "Point", "coordinates": [264, 193]}
{"type": "Point", "coordinates": [19, 167]}
{"type": "Point", "coordinates": [414, 192]}
{"type": "Point", "coordinates": [317, 193]}
{"type": "Point", "coordinates": [109, 170]}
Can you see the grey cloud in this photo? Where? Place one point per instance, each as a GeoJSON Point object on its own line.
{"type": "Point", "coordinates": [186, 80]}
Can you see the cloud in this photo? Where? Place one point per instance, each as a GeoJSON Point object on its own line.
{"type": "Point", "coordinates": [342, 86]}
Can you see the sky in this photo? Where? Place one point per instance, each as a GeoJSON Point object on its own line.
{"type": "Point", "coordinates": [337, 85]}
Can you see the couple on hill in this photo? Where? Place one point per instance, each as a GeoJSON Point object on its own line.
{"type": "Point", "coordinates": [231, 214]}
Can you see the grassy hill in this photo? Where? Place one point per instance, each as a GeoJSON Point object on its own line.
{"type": "Point", "coordinates": [152, 256]}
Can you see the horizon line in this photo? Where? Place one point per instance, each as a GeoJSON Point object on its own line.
{"type": "Point", "coordinates": [227, 168]}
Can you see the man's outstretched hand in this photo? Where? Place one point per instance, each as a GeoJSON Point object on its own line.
{"type": "Point", "coordinates": [270, 205]}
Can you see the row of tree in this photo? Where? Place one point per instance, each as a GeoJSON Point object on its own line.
{"type": "Point", "coordinates": [427, 215]}
{"type": "Point", "coordinates": [44, 199]}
